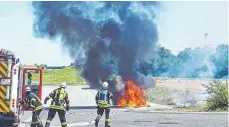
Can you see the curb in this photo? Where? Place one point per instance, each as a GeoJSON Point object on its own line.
{"type": "Point", "coordinates": [174, 112]}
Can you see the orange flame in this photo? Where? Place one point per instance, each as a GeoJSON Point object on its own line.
{"type": "Point", "coordinates": [134, 96]}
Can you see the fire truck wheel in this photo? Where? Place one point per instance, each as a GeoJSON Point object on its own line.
{"type": "Point", "coordinates": [3, 125]}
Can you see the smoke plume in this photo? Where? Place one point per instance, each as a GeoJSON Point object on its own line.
{"type": "Point", "coordinates": [109, 36]}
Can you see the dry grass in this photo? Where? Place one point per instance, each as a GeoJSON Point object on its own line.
{"type": "Point", "coordinates": [187, 84]}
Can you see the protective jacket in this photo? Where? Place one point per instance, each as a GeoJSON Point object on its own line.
{"type": "Point", "coordinates": [103, 98]}
{"type": "Point", "coordinates": [59, 99]}
{"type": "Point", "coordinates": [31, 101]}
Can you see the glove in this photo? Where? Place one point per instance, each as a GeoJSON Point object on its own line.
{"type": "Point", "coordinates": [26, 106]}
{"type": "Point", "coordinates": [45, 102]}
{"type": "Point", "coordinates": [67, 108]}
{"type": "Point", "coordinates": [20, 103]}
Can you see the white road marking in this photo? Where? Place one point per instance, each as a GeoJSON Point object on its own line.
{"type": "Point", "coordinates": [28, 119]}
{"type": "Point", "coordinates": [76, 124]}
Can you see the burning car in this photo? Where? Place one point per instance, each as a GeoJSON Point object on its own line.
{"type": "Point", "coordinates": [128, 93]}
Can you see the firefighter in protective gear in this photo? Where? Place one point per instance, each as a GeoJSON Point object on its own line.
{"type": "Point", "coordinates": [103, 100]}
{"type": "Point", "coordinates": [59, 100]}
{"type": "Point", "coordinates": [29, 83]}
{"type": "Point", "coordinates": [31, 101]}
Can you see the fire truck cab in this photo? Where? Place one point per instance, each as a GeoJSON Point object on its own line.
{"type": "Point", "coordinates": [14, 78]}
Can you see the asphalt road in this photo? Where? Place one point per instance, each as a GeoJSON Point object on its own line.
{"type": "Point", "coordinates": [81, 117]}
{"type": "Point", "coordinates": [132, 118]}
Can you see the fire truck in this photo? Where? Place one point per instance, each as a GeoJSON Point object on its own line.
{"type": "Point", "coordinates": [13, 81]}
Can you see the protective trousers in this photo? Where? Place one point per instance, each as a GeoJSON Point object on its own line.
{"type": "Point", "coordinates": [100, 112]}
{"type": "Point", "coordinates": [36, 122]}
{"type": "Point", "coordinates": [51, 115]}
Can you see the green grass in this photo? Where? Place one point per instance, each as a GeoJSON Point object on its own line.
{"type": "Point", "coordinates": [54, 77]}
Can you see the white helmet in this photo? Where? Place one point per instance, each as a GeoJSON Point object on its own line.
{"type": "Point", "coordinates": [63, 85]}
{"type": "Point", "coordinates": [28, 89]}
{"type": "Point", "coordinates": [105, 85]}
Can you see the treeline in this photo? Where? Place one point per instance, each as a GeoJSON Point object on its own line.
{"type": "Point", "coordinates": [203, 62]}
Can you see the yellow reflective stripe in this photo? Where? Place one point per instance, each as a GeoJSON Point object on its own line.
{"type": "Point", "coordinates": [98, 117]}
{"type": "Point", "coordinates": [3, 104]}
{"type": "Point", "coordinates": [38, 120]}
{"type": "Point", "coordinates": [102, 102]}
{"type": "Point", "coordinates": [39, 107]}
{"type": "Point", "coordinates": [3, 71]}
{"type": "Point", "coordinates": [4, 64]}
{"type": "Point", "coordinates": [3, 88]}
{"type": "Point", "coordinates": [48, 121]}
{"type": "Point", "coordinates": [61, 94]}
{"type": "Point", "coordinates": [108, 120]}
{"type": "Point", "coordinates": [2, 95]}
{"type": "Point", "coordinates": [104, 105]}
{"type": "Point", "coordinates": [33, 122]}
{"type": "Point", "coordinates": [64, 123]}
{"type": "Point", "coordinates": [57, 107]}
{"type": "Point", "coordinates": [53, 107]}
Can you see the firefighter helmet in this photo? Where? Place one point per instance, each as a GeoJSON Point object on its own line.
{"type": "Point", "coordinates": [63, 85]}
{"type": "Point", "coordinates": [28, 89]}
{"type": "Point", "coordinates": [30, 74]}
{"type": "Point", "coordinates": [105, 85]}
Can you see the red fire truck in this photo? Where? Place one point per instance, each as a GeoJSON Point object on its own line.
{"type": "Point", "coordinates": [13, 81]}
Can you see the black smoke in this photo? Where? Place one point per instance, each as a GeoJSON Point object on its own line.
{"type": "Point", "coordinates": [109, 36]}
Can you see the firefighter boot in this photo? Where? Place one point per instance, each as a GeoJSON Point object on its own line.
{"type": "Point", "coordinates": [107, 123]}
{"type": "Point", "coordinates": [47, 124]}
{"type": "Point", "coordinates": [96, 123]}
{"type": "Point", "coordinates": [97, 120]}
{"type": "Point", "coordinates": [33, 124]}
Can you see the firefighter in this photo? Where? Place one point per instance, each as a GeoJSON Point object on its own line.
{"type": "Point", "coordinates": [29, 83]}
{"type": "Point", "coordinates": [103, 101]}
{"type": "Point", "coordinates": [59, 100]}
{"type": "Point", "coordinates": [31, 101]}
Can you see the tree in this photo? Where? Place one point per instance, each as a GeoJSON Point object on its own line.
{"type": "Point", "coordinates": [220, 60]}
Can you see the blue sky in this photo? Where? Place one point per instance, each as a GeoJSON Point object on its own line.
{"type": "Point", "coordinates": [180, 24]}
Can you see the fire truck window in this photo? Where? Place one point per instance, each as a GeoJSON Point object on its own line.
{"type": "Point", "coordinates": [33, 81]}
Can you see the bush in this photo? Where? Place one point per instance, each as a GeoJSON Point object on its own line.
{"type": "Point", "coordinates": [218, 99]}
